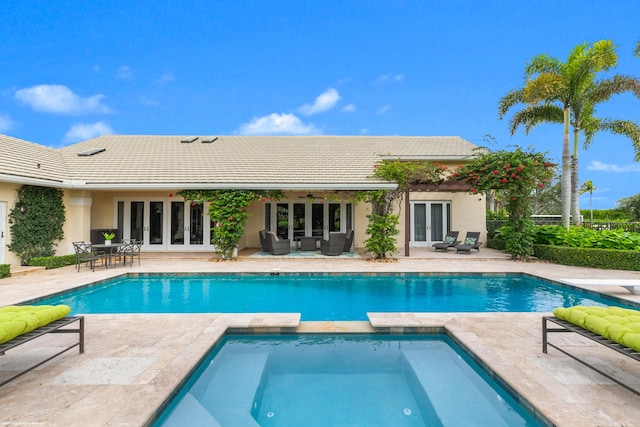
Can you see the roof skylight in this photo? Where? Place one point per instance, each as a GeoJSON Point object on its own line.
{"type": "Point", "coordinates": [91, 152]}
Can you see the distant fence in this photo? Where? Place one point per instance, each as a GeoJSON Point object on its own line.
{"type": "Point", "coordinates": [494, 224]}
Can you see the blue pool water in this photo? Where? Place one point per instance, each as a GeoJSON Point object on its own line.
{"type": "Point", "coordinates": [342, 380]}
{"type": "Point", "coordinates": [323, 297]}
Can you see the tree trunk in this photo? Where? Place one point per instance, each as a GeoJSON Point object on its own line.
{"type": "Point", "coordinates": [575, 193]}
{"type": "Point", "coordinates": [565, 185]}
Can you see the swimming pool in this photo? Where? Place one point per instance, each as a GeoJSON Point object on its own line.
{"type": "Point", "coordinates": [335, 380]}
{"type": "Point", "coordinates": [323, 296]}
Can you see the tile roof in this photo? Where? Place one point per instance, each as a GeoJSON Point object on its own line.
{"type": "Point", "coordinates": [25, 162]}
{"type": "Point", "coordinates": [277, 162]}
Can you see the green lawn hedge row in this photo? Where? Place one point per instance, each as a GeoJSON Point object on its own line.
{"type": "Point", "coordinates": [50, 262]}
{"type": "Point", "coordinates": [589, 257]}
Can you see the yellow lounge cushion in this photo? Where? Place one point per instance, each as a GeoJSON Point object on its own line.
{"type": "Point", "coordinates": [16, 320]}
{"type": "Point", "coordinates": [620, 325]}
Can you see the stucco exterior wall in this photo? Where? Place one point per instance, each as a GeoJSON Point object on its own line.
{"type": "Point", "coordinates": [8, 197]}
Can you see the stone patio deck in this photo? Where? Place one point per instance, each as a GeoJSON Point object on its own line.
{"type": "Point", "coordinates": [133, 362]}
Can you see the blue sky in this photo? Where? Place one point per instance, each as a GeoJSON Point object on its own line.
{"type": "Point", "coordinates": [72, 70]}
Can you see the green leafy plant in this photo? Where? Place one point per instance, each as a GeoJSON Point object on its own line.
{"type": "Point", "coordinates": [109, 236]}
{"type": "Point", "coordinates": [228, 211]}
{"type": "Point", "coordinates": [382, 229]}
{"type": "Point", "coordinates": [5, 270]}
{"type": "Point", "coordinates": [516, 174]}
{"type": "Point", "coordinates": [36, 222]}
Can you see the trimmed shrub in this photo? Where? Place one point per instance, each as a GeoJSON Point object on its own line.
{"type": "Point", "coordinates": [498, 244]}
{"type": "Point", "coordinates": [5, 271]}
{"type": "Point", "coordinates": [589, 257]}
{"type": "Point", "coordinates": [50, 262]}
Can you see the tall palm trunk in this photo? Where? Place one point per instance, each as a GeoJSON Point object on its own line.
{"type": "Point", "coordinates": [575, 194]}
{"type": "Point", "coordinates": [565, 185]}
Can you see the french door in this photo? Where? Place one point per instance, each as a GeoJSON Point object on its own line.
{"type": "Point", "coordinates": [430, 222]}
{"type": "Point", "coordinates": [291, 220]}
{"type": "Point", "coordinates": [164, 224]}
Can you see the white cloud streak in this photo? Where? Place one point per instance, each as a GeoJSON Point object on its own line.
{"type": "Point", "coordinates": [277, 124]}
{"type": "Point", "coordinates": [5, 123]}
{"type": "Point", "coordinates": [165, 77]}
{"type": "Point", "coordinates": [348, 108]}
{"type": "Point", "coordinates": [324, 102]}
{"type": "Point", "coordinates": [60, 99]}
{"type": "Point", "coordinates": [599, 166]}
{"type": "Point", "coordinates": [391, 78]}
{"type": "Point", "coordinates": [84, 131]}
{"type": "Point", "coordinates": [125, 73]}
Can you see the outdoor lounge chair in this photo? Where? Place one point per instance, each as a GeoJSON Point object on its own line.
{"type": "Point", "coordinates": [448, 242]}
{"type": "Point", "coordinates": [348, 241]}
{"type": "Point", "coordinates": [333, 246]}
{"type": "Point", "coordinates": [470, 242]}
{"type": "Point", "coordinates": [277, 246]}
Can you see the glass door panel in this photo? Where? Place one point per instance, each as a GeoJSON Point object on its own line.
{"type": "Point", "coordinates": [156, 223]}
{"type": "Point", "coordinates": [334, 217]}
{"type": "Point", "coordinates": [317, 220]}
{"type": "Point", "coordinates": [136, 227]}
{"type": "Point", "coordinates": [420, 222]}
{"type": "Point", "coordinates": [299, 215]}
{"type": "Point", "coordinates": [196, 224]}
{"type": "Point", "coordinates": [282, 218]}
{"type": "Point", "coordinates": [177, 223]}
{"type": "Point", "coordinates": [437, 223]}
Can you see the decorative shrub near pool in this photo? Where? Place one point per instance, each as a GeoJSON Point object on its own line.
{"type": "Point", "coordinates": [589, 257]}
{"type": "Point", "coordinates": [50, 262]}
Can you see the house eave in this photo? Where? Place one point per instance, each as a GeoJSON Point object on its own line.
{"type": "Point", "coordinates": [80, 185]}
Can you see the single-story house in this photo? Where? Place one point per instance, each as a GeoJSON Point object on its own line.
{"type": "Point", "coordinates": [131, 183]}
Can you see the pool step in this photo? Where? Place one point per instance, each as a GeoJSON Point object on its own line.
{"type": "Point", "coordinates": [190, 412]}
{"type": "Point", "coordinates": [458, 395]}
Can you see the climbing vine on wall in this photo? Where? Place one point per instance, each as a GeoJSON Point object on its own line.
{"type": "Point", "coordinates": [36, 222]}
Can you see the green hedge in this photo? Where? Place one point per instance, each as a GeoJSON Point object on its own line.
{"type": "Point", "coordinates": [50, 262]}
{"type": "Point", "coordinates": [589, 257]}
{"type": "Point", "coordinates": [5, 271]}
{"type": "Point", "coordinates": [501, 245]}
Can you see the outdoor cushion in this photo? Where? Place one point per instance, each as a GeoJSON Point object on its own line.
{"type": "Point", "coordinates": [469, 241]}
{"type": "Point", "coordinates": [449, 239]}
{"type": "Point", "coordinates": [617, 324]}
{"type": "Point", "coordinates": [16, 320]}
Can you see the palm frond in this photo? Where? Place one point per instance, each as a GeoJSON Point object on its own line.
{"type": "Point", "coordinates": [542, 64]}
{"type": "Point", "coordinates": [626, 128]}
{"type": "Point", "coordinates": [533, 115]}
{"type": "Point", "coordinates": [544, 88]}
{"type": "Point", "coordinates": [512, 98]}
{"type": "Point", "coordinates": [603, 90]}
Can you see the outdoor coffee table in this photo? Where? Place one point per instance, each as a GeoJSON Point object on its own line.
{"type": "Point", "coordinates": [308, 243]}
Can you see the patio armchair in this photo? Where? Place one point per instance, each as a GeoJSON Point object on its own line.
{"type": "Point", "coordinates": [130, 248]}
{"type": "Point", "coordinates": [348, 241]}
{"type": "Point", "coordinates": [84, 255]}
{"type": "Point", "coordinates": [449, 241]}
{"type": "Point", "coordinates": [276, 245]}
{"type": "Point", "coordinates": [264, 243]}
{"type": "Point", "coordinates": [471, 241]}
{"type": "Point", "coordinates": [334, 245]}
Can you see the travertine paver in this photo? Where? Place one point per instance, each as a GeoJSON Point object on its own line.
{"type": "Point", "coordinates": [133, 362]}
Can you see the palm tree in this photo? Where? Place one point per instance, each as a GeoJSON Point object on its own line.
{"type": "Point", "coordinates": [552, 89]}
{"type": "Point", "coordinates": [588, 187]}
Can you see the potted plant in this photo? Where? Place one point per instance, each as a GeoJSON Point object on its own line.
{"type": "Point", "coordinates": [108, 237]}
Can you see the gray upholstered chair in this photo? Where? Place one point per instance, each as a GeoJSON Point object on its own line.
{"type": "Point", "coordinates": [348, 241]}
{"type": "Point", "coordinates": [264, 243]}
{"type": "Point", "coordinates": [334, 245]}
{"type": "Point", "coordinates": [276, 245]}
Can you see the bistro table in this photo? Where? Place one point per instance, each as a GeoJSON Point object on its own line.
{"type": "Point", "coordinates": [108, 250]}
{"type": "Point", "coordinates": [309, 243]}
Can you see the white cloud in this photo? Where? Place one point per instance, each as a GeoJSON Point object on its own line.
{"type": "Point", "coordinates": [84, 131]}
{"type": "Point", "coordinates": [324, 102]}
{"type": "Point", "coordinates": [5, 123]}
{"type": "Point", "coordinates": [383, 109]}
{"type": "Point", "coordinates": [277, 124]}
{"type": "Point", "coordinates": [599, 166]}
{"type": "Point", "coordinates": [390, 78]}
{"type": "Point", "coordinates": [165, 77]}
{"type": "Point", "coordinates": [60, 99]}
{"type": "Point", "coordinates": [348, 108]}
{"type": "Point", "coordinates": [125, 73]}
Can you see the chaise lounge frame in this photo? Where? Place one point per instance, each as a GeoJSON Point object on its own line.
{"type": "Point", "coordinates": [55, 327]}
{"type": "Point", "coordinates": [564, 326]}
